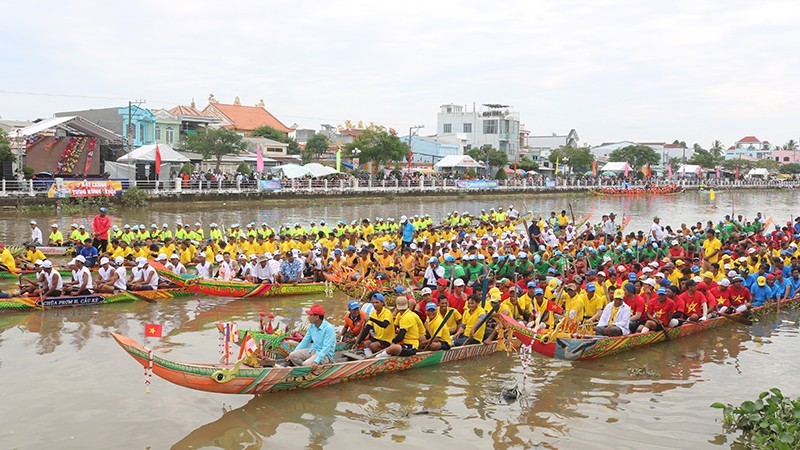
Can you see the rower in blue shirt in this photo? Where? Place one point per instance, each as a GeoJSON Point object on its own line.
{"type": "Point", "coordinates": [761, 292]}
{"type": "Point", "coordinates": [319, 343]}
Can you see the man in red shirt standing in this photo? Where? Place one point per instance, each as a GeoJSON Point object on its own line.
{"type": "Point", "coordinates": [100, 225]}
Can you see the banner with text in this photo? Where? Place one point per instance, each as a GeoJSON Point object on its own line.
{"type": "Point", "coordinates": [76, 189]}
{"type": "Point", "coordinates": [476, 184]}
{"type": "Point", "coordinates": [269, 185]}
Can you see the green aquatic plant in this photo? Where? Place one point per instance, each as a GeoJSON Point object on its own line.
{"type": "Point", "coordinates": [772, 421]}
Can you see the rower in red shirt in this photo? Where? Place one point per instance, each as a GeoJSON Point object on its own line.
{"type": "Point", "coordinates": [659, 312]}
{"type": "Point", "coordinates": [740, 296]}
{"type": "Point", "coordinates": [637, 305]}
{"type": "Point", "coordinates": [696, 303]}
{"type": "Point", "coordinates": [719, 296]}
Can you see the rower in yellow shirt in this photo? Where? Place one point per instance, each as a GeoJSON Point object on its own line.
{"type": "Point", "coordinates": [56, 238]}
{"type": "Point", "coordinates": [7, 262]}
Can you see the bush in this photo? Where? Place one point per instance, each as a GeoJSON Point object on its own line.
{"type": "Point", "coordinates": [244, 169]}
{"type": "Point", "coordinates": [187, 168]}
{"type": "Point", "coordinates": [28, 172]}
{"type": "Point", "coordinates": [134, 197]}
{"type": "Point", "coordinates": [772, 421]}
{"type": "Point", "coordinates": [501, 174]}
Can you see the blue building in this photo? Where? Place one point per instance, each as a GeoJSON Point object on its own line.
{"type": "Point", "coordinates": [749, 147]}
{"type": "Point", "coordinates": [142, 123]}
{"type": "Point", "coordinates": [431, 149]}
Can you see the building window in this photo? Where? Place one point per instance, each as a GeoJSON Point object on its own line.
{"type": "Point", "coordinates": [503, 127]}
{"type": "Point", "coordinates": [158, 133]}
{"type": "Point", "coordinates": [447, 128]}
{"type": "Point", "coordinates": [142, 132]}
{"type": "Point", "coordinates": [785, 159]}
{"type": "Point", "coordinates": [169, 134]}
{"type": "Point", "coordinates": [467, 128]}
{"type": "Point", "coordinates": [490, 127]}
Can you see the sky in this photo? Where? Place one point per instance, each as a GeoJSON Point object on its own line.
{"type": "Point", "coordinates": [692, 70]}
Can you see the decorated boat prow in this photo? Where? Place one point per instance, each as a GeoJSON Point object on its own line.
{"type": "Point", "coordinates": [240, 379]}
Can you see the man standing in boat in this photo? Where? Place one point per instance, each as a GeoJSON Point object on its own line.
{"type": "Point", "coordinates": [406, 232]}
{"type": "Point", "coordinates": [100, 226]}
{"type": "Point", "coordinates": [319, 343]}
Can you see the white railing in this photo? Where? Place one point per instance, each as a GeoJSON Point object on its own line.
{"type": "Point", "coordinates": [177, 187]}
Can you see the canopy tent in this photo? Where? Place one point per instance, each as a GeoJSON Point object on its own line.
{"type": "Point", "coordinates": [119, 170]}
{"type": "Point", "coordinates": [317, 170]}
{"type": "Point", "coordinates": [758, 172]}
{"type": "Point", "coordinates": [458, 162]}
{"type": "Point", "coordinates": [616, 166]}
{"type": "Point", "coordinates": [688, 169]}
{"type": "Point", "coordinates": [74, 125]}
{"type": "Point", "coordinates": [291, 170]}
{"type": "Point", "coordinates": [146, 155]}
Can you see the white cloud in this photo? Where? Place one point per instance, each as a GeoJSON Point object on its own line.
{"type": "Point", "coordinates": [614, 70]}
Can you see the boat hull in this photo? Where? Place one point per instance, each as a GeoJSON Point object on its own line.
{"type": "Point", "coordinates": [32, 303]}
{"type": "Point", "coordinates": [587, 348]}
{"type": "Point", "coordinates": [266, 380]}
{"type": "Point", "coordinates": [220, 288]}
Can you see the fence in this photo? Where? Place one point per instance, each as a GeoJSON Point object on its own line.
{"type": "Point", "coordinates": [178, 187]}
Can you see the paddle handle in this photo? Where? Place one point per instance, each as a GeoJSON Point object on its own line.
{"type": "Point", "coordinates": [441, 325]}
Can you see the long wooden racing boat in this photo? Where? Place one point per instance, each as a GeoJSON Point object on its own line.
{"type": "Point", "coordinates": [24, 303]}
{"type": "Point", "coordinates": [240, 379]}
{"type": "Point", "coordinates": [635, 192]}
{"type": "Point", "coordinates": [594, 347]}
{"type": "Point", "coordinates": [45, 249]}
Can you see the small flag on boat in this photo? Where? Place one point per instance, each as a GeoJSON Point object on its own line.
{"type": "Point", "coordinates": [248, 344]}
{"type": "Point", "coordinates": [152, 330]}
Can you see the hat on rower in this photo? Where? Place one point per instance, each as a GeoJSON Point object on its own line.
{"type": "Point", "coordinates": [378, 296]}
{"type": "Point", "coordinates": [161, 257]}
{"type": "Point", "coordinates": [47, 264]}
{"type": "Point", "coordinates": [399, 289]}
{"type": "Point", "coordinates": [316, 310]}
{"type": "Point", "coordinates": [401, 303]}
{"type": "Point", "coordinates": [619, 293]}
{"type": "Point", "coordinates": [353, 304]}
{"type": "Point", "coordinates": [458, 282]}
{"type": "Point", "coordinates": [632, 276]}
{"type": "Point", "coordinates": [119, 260]}
{"type": "Point", "coordinates": [80, 258]}
{"type": "Point", "coordinates": [218, 258]}
{"type": "Point", "coordinates": [441, 282]}
{"type": "Point", "coordinates": [425, 291]}
{"type": "Point", "coordinates": [725, 282]}
{"type": "Point", "coordinates": [33, 222]}
{"type": "Point", "coordinates": [430, 306]}
{"type": "Point", "coordinates": [662, 291]}
{"type": "Point", "coordinates": [103, 260]}
{"type": "Point", "coordinates": [590, 287]}
{"type": "Point", "coordinates": [103, 209]}
{"type": "Point", "coordinates": [761, 281]}
{"type": "Point", "coordinates": [538, 291]}
{"type": "Point", "coordinates": [403, 219]}
{"type": "Point", "coordinates": [38, 262]}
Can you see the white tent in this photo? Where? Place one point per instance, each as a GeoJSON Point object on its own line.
{"type": "Point", "coordinates": [120, 171]}
{"type": "Point", "coordinates": [758, 172]}
{"type": "Point", "coordinates": [147, 153]}
{"type": "Point", "coordinates": [689, 169]}
{"type": "Point", "coordinates": [291, 170]}
{"type": "Point", "coordinates": [317, 170]}
{"type": "Point", "coordinates": [457, 161]}
{"type": "Point", "coordinates": [616, 166]}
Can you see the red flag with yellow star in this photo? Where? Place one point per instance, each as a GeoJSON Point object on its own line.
{"type": "Point", "coordinates": [152, 330]}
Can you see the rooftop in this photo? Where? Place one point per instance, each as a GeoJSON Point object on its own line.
{"type": "Point", "coordinates": [248, 118]}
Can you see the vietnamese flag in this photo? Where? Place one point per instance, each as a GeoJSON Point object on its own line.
{"type": "Point", "coordinates": [152, 330]}
{"type": "Point", "coordinates": [158, 160]}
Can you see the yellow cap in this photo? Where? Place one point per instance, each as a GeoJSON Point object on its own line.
{"type": "Point", "coordinates": [708, 275]}
{"type": "Point", "coordinates": [761, 281]}
{"type": "Point", "coordinates": [619, 293]}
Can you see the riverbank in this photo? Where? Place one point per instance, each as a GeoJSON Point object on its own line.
{"type": "Point", "coordinates": [344, 193]}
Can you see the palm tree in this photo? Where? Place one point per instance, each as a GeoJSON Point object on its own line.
{"type": "Point", "coordinates": [790, 145]}
{"type": "Point", "coordinates": [716, 149]}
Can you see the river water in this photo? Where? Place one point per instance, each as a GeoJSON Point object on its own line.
{"type": "Point", "coordinates": [66, 384]}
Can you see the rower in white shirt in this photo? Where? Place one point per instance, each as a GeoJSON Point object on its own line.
{"type": "Point", "coordinates": [82, 283]}
{"type": "Point", "coordinates": [615, 320]}
{"type": "Point", "coordinates": [203, 266]}
{"type": "Point", "coordinates": [225, 271]}
{"type": "Point", "coordinates": [36, 234]}
{"type": "Point", "coordinates": [174, 265]}
{"type": "Point", "coordinates": [262, 271]}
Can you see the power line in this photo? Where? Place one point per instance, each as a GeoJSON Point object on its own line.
{"type": "Point", "coordinates": [97, 97]}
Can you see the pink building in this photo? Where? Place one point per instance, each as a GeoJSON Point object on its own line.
{"type": "Point", "coordinates": [785, 156]}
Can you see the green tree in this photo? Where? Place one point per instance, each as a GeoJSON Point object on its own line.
{"type": "Point", "coordinates": [769, 164]}
{"type": "Point", "coordinates": [315, 147]}
{"type": "Point", "coordinates": [378, 146]}
{"type": "Point", "coordinates": [268, 132]}
{"type": "Point", "coordinates": [717, 150]}
{"type": "Point", "coordinates": [732, 164]}
{"type": "Point", "coordinates": [681, 143]}
{"type": "Point", "coordinates": [792, 168]}
{"type": "Point", "coordinates": [186, 168]}
{"type": "Point", "coordinates": [496, 157]}
{"type": "Point", "coordinates": [702, 157]}
{"type": "Point", "coordinates": [635, 155]}
{"type": "Point", "coordinates": [215, 143]}
{"type": "Point", "coordinates": [579, 158]}
{"type": "Point", "coordinates": [244, 169]}
{"type": "Point", "coordinates": [791, 145]}
{"type": "Point", "coordinates": [6, 154]}
{"type": "Point", "coordinates": [527, 164]}
{"type": "Point", "coordinates": [501, 174]}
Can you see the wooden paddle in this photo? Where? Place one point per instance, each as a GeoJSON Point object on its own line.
{"type": "Point", "coordinates": [436, 333]}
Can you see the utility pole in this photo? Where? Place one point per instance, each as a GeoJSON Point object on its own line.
{"type": "Point", "coordinates": [411, 132]}
{"type": "Point", "coordinates": [131, 130]}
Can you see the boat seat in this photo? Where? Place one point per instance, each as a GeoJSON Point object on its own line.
{"type": "Point", "coordinates": [353, 355]}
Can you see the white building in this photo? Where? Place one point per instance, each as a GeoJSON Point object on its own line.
{"type": "Point", "coordinates": [495, 125]}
